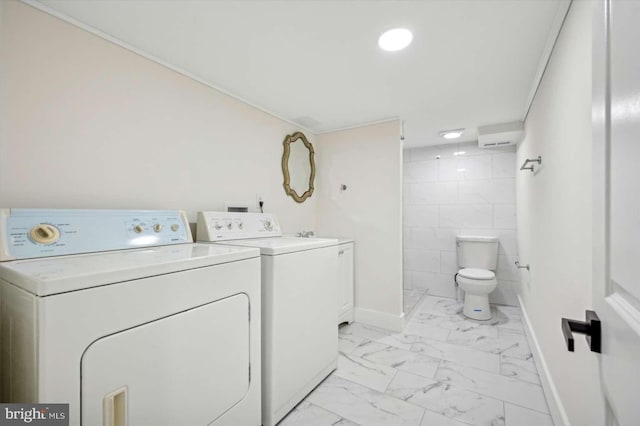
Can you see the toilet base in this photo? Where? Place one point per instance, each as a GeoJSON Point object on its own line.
{"type": "Point", "coordinates": [476, 306]}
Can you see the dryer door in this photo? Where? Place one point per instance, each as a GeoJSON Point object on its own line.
{"type": "Point", "coordinates": [185, 369]}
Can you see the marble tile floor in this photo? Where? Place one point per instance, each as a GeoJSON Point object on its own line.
{"type": "Point", "coordinates": [442, 370]}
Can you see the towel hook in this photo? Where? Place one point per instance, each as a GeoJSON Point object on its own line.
{"type": "Point", "coordinates": [531, 161]}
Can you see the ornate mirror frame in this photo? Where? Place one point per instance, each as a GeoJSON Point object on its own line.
{"type": "Point", "coordinates": [288, 140]}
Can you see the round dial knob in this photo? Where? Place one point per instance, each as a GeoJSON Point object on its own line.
{"type": "Point", "coordinates": [175, 227]}
{"type": "Point", "coordinates": [267, 225]}
{"type": "Point", "coordinates": [44, 234]}
{"type": "Point", "coordinates": [218, 226]}
{"type": "Point", "coordinates": [240, 225]}
{"type": "Point", "coordinates": [229, 226]}
{"type": "Point", "coordinates": [157, 227]}
{"type": "Point", "coordinates": [138, 229]}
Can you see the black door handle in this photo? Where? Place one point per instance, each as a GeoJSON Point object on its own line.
{"type": "Point", "coordinates": [590, 327]}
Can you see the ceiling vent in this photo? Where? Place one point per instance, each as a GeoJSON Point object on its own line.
{"type": "Point", "coordinates": [498, 135]}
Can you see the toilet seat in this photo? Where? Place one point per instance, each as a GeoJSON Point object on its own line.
{"type": "Point", "coordinates": [476, 286]}
{"type": "Point", "coordinates": [476, 274]}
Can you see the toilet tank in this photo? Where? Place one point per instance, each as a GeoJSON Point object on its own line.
{"type": "Point", "coordinates": [477, 252]}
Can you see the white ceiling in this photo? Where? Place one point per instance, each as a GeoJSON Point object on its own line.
{"type": "Point", "coordinates": [317, 63]}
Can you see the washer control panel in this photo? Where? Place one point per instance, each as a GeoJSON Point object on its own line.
{"type": "Point", "coordinates": [32, 233]}
{"type": "Point", "coordinates": [225, 226]}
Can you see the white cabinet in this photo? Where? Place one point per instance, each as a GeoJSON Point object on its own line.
{"type": "Point", "coordinates": [345, 282]}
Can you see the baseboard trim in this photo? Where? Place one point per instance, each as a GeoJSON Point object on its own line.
{"type": "Point", "coordinates": [556, 408]}
{"type": "Point", "coordinates": [380, 319]}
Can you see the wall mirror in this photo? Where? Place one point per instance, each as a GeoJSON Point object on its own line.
{"type": "Point", "coordinates": [298, 167]}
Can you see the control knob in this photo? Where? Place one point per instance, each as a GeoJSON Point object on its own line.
{"type": "Point", "coordinates": [44, 233]}
{"type": "Point", "coordinates": [138, 229]}
{"type": "Point", "coordinates": [218, 226]}
{"type": "Point", "coordinates": [175, 227]}
{"type": "Point", "coordinates": [157, 227]}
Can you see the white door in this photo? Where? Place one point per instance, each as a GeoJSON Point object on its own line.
{"type": "Point", "coordinates": [616, 108]}
{"type": "Point", "coordinates": [185, 369]}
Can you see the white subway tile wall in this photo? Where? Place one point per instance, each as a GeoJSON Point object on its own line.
{"type": "Point", "coordinates": [451, 190]}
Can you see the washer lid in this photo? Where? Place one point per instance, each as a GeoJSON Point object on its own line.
{"type": "Point", "coordinates": [476, 274]}
{"type": "Point", "coordinates": [282, 245]}
{"type": "Point", "coordinates": [48, 276]}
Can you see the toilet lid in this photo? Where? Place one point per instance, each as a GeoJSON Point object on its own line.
{"type": "Point", "coordinates": [476, 274]}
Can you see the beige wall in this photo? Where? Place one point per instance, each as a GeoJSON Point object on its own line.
{"type": "Point", "coordinates": [90, 124]}
{"type": "Point", "coordinates": [554, 207]}
{"type": "Point", "coordinates": [369, 161]}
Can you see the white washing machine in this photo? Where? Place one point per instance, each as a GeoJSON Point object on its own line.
{"type": "Point", "coordinates": [299, 293]}
{"type": "Point", "coordinates": [165, 334]}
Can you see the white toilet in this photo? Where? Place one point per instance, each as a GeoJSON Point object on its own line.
{"type": "Point", "coordinates": [477, 260]}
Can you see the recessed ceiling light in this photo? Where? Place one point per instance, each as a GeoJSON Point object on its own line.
{"type": "Point", "coordinates": [452, 134]}
{"type": "Point", "coordinates": [395, 39]}
{"type": "Point", "coordinates": [459, 153]}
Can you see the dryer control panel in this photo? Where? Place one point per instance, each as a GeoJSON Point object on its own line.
{"type": "Point", "coordinates": [32, 233]}
{"type": "Point", "coordinates": [225, 226]}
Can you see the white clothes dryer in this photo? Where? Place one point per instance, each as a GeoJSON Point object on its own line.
{"type": "Point", "coordinates": [299, 293]}
{"type": "Point", "coordinates": [166, 334]}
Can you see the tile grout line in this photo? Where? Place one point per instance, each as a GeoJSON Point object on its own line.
{"type": "Point", "coordinates": [452, 418]}
{"type": "Point", "coordinates": [528, 408]}
{"type": "Point", "coordinates": [435, 374]}
{"type": "Point", "coordinates": [424, 411]}
{"type": "Point", "coordinates": [395, 373]}
{"type": "Point", "coordinates": [329, 411]}
{"type": "Point", "coordinates": [386, 395]}
{"type": "Point", "coordinates": [504, 412]}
